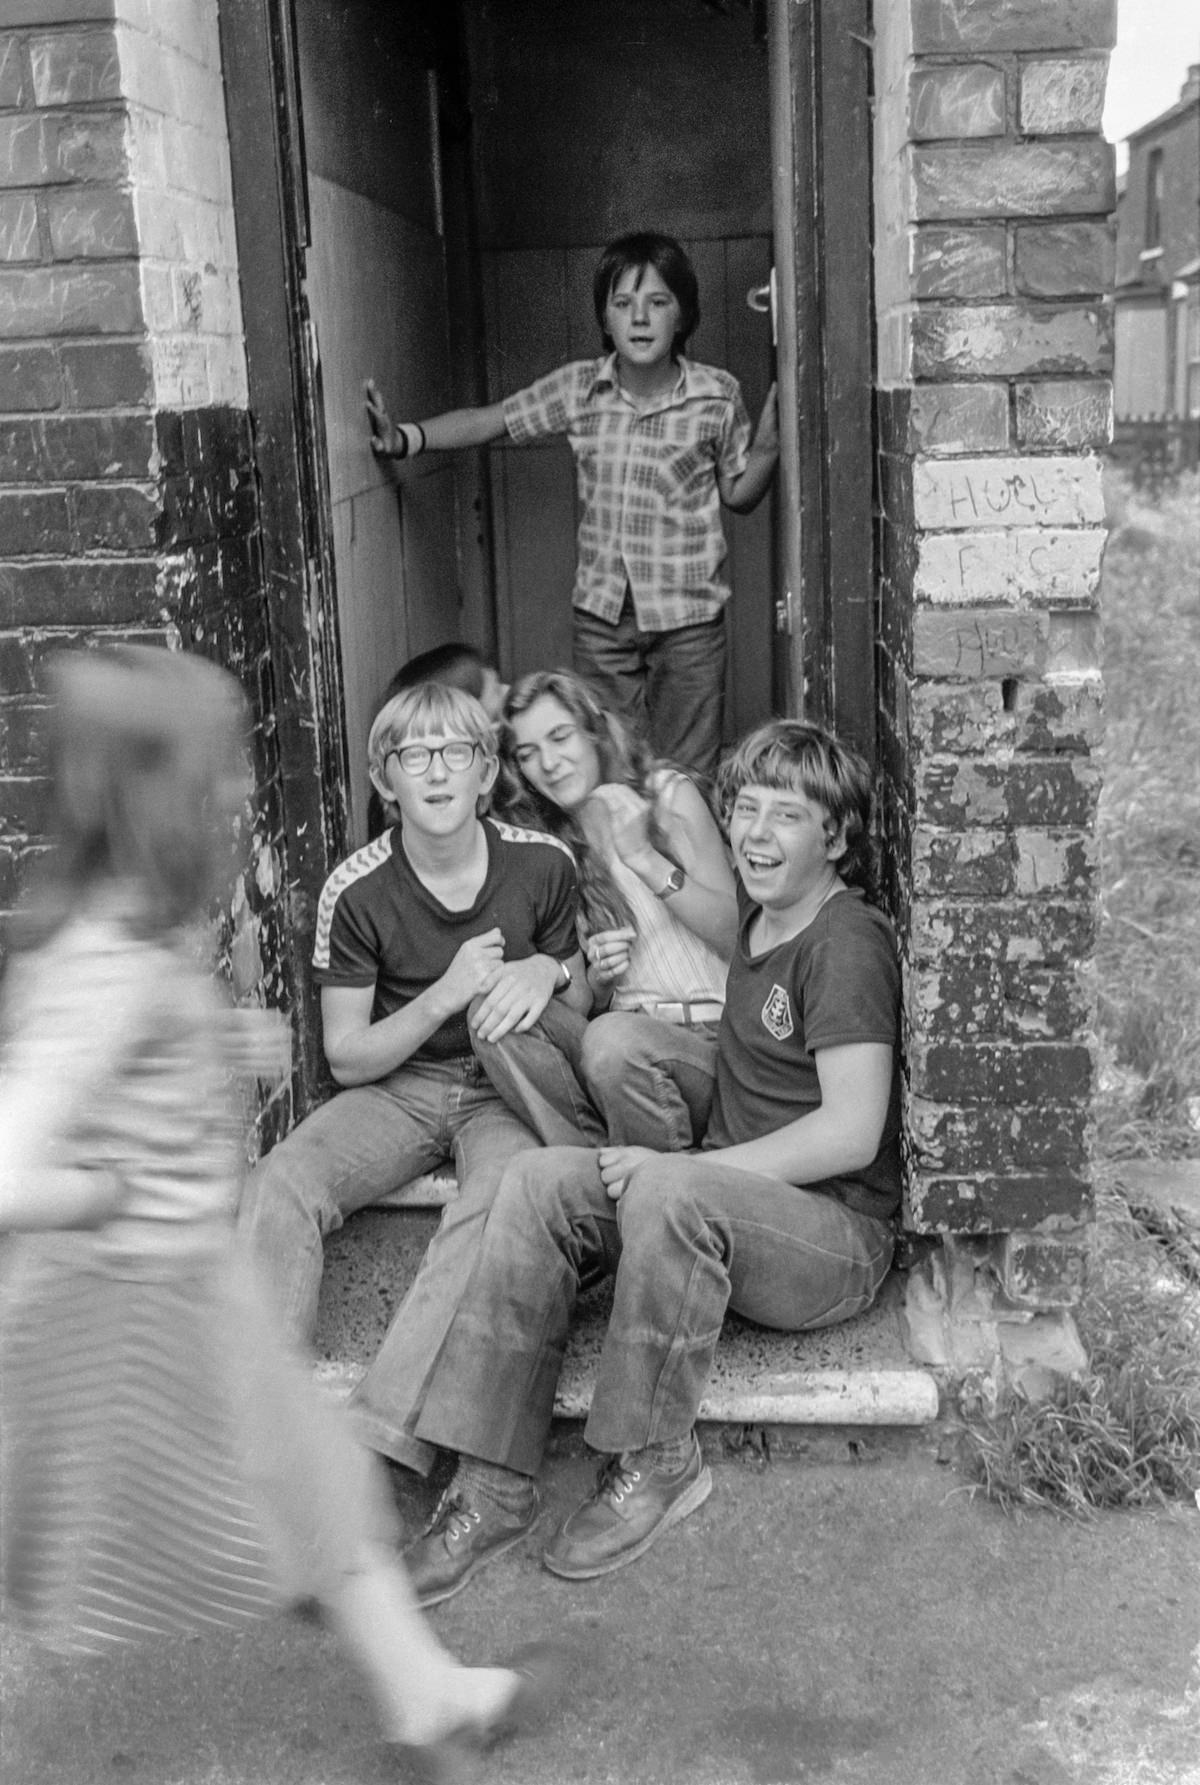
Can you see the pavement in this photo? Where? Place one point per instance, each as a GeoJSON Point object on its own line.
{"type": "Point", "coordinates": [848, 1612]}
{"type": "Point", "coordinates": [844, 1608]}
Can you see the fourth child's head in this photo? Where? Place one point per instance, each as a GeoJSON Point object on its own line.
{"type": "Point", "coordinates": [646, 263]}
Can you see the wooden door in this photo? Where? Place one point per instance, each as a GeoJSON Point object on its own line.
{"type": "Point", "coordinates": [821, 174]}
{"type": "Point", "coordinates": [592, 121]}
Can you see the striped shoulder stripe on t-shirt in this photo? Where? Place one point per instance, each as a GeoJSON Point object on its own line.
{"type": "Point", "coordinates": [513, 833]}
{"type": "Point", "coordinates": [372, 855]}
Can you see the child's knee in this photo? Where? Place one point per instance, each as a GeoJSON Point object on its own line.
{"type": "Point", "coordinates": [657, 1191]}
{"type": "Point", "coordinates": [610, 1049]}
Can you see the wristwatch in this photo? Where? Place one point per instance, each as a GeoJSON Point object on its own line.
{"type": "Point", "coordinates": [672, 884]}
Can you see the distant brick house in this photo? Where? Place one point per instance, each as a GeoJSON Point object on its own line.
{"type": "Point", "coordinates": [1156, 368]}
{"type": "Point", "coordinates": [218, 216]}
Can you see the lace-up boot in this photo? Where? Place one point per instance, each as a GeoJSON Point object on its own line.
{"type": "Point", "coordinates": [471, 1526]}
{"type": "Point", "coordinates": [637, 1497]}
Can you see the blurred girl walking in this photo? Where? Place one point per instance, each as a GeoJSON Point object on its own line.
{"type": "Point", "coordinates": [168, 1466]}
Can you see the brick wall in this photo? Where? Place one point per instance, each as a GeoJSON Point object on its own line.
{"type": "Point", "coordinates": [994, 267]}
{"type": "Point", "coordinates": [127, 490]}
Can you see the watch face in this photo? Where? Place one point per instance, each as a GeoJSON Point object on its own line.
{"type": "Point", "coordinates": [673, 883]}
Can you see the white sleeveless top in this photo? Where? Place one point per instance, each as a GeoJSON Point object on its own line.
{"type": "Point", "coordinates": [667, 960]}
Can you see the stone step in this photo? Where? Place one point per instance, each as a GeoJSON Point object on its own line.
{"type": "Point", "coordinates": [856, 1373]}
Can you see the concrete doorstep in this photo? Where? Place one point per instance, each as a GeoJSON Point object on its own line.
{"type": "Point", "coordinates": [856, 1373]}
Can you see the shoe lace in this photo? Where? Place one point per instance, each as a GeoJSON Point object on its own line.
{"type": "Point", "coordinates": [452, 1516]}
{"type": "Point", "coordinates": [617, 1479]}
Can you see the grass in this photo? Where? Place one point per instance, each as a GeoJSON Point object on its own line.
{"type": "Point", "coordinates": [1147, 962]}
{"type": "Point", "coordinates": [1128, 1434]}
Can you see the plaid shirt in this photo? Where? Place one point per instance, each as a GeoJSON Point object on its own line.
{"type": "Point", "coordinates": [651, 519]}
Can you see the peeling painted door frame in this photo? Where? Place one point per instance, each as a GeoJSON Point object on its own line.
{"type": "Point", "coordinates": [821, 52]}
{"type": "Point", "coordinates": [301, 682]}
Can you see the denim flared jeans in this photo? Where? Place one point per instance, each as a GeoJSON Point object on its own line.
{"type": "Point", "coordinates": [355, 1152]}
{"type": "Point", "coordinates": [688, 1240]}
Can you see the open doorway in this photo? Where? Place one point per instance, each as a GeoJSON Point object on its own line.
{"type": "Point", "coordinates": [421, 189]}
{"type": "Point", "coordinates": [464, 168]}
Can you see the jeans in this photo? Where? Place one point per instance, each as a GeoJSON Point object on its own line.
{"type": "Point", "coordinates": [356, 1152]}
{"type": "Point", "coordinates": [669, 685]}
{"type": "Point", "coordinates": [651, 1081]}
{"type": "Point", "coordinates": [538, 1074]}
{"type": "Point", "coordinates": [688, 1240]}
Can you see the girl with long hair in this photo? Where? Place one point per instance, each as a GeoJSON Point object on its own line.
{"type": "Point", "coordinates": [658, 905]}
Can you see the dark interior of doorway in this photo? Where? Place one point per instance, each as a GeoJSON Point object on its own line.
{"type": "Point", "coordinates": [510, 139]}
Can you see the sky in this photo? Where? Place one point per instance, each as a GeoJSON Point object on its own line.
{"type": "Point", "coordinates": [1156, 40]}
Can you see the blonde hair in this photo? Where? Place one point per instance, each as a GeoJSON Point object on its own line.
{"type": "Point", "coordinates": [429, 707]}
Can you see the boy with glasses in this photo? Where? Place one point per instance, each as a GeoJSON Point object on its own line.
{"type": "Point", "coordinates": [448, 925]}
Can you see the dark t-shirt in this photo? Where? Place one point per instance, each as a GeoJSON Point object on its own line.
{"type": "Point", "coordinates": [379, 925]}
{"type": "Point", "coordinates": [836, 983]}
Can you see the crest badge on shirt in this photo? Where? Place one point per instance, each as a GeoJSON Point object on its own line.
{"type": "Point", "coordinates": [777, 1014]}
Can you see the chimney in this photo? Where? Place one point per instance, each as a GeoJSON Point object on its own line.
{"type": "Point", "coordinates": [1191, 87]}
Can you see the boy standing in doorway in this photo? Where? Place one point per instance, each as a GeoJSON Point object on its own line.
{"type": "Point", "coordinates": [660, 442]}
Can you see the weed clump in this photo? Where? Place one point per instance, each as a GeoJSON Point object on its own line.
{"type": "Point", "coordinates": [1127, 1434]}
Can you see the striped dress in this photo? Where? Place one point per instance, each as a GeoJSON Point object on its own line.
{"type": "Point", "coordinates": [167, 1465]}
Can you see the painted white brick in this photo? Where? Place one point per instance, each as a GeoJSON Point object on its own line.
{"type": "Point", "coordinates": [163, 80]}
{"type": "Point", "coordinates": [197, 162]}
{"type": "Point", "coordinates": [189, 26]}
{"type": "Point", "coordinates": [158, 298]}
{"type": "Point", "coordinates": [180, 372]}
{"type": "Point", "coordinates": [206, 303]}
{"type": "Point", "coordinates": [1038, 565]}
{"type": "Point", "coordinates": [147, 154]}
{"type": "Point", "coordinates": [227, 379]}
{"type": "Point", "coordinates": [1007, 492]}
{"type": "Point", "coordinates": [1045, 860]}
{"type": "Point", "coordinates": [177, 227]}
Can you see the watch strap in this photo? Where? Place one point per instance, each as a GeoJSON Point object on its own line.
{"type": "Point", "coordinates": [675, 882]}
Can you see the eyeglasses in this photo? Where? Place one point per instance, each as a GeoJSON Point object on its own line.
{"type": "Point", "coordinates": [456, 756]}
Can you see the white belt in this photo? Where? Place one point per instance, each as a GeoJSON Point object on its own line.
{"type": "Point", "coordinates": [688, 1013]}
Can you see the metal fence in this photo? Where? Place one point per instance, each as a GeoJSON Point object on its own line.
{"type": "Point", "coordinates": [1154, 449]}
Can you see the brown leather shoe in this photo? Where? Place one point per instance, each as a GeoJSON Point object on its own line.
{"type": "Point", "coordinates": [635, 1500]}
{"type": "Point", "coordinates": [464, 1535]}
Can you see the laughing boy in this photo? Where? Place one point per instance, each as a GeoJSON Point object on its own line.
{"type": "Point", "coordinates": [785, 1214]}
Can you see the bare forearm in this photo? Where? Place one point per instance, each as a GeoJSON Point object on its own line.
{"type": "Point", "coordinates": [806, 1151]}
{"type": "Point", "coordinates": [754, 481]}
{"type": "Point", "coordinates": [364, 1054]}
{"type": "Point", "coordinates": [710, 912]}
{"type": "Point", "coordinates": [459, 428]}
